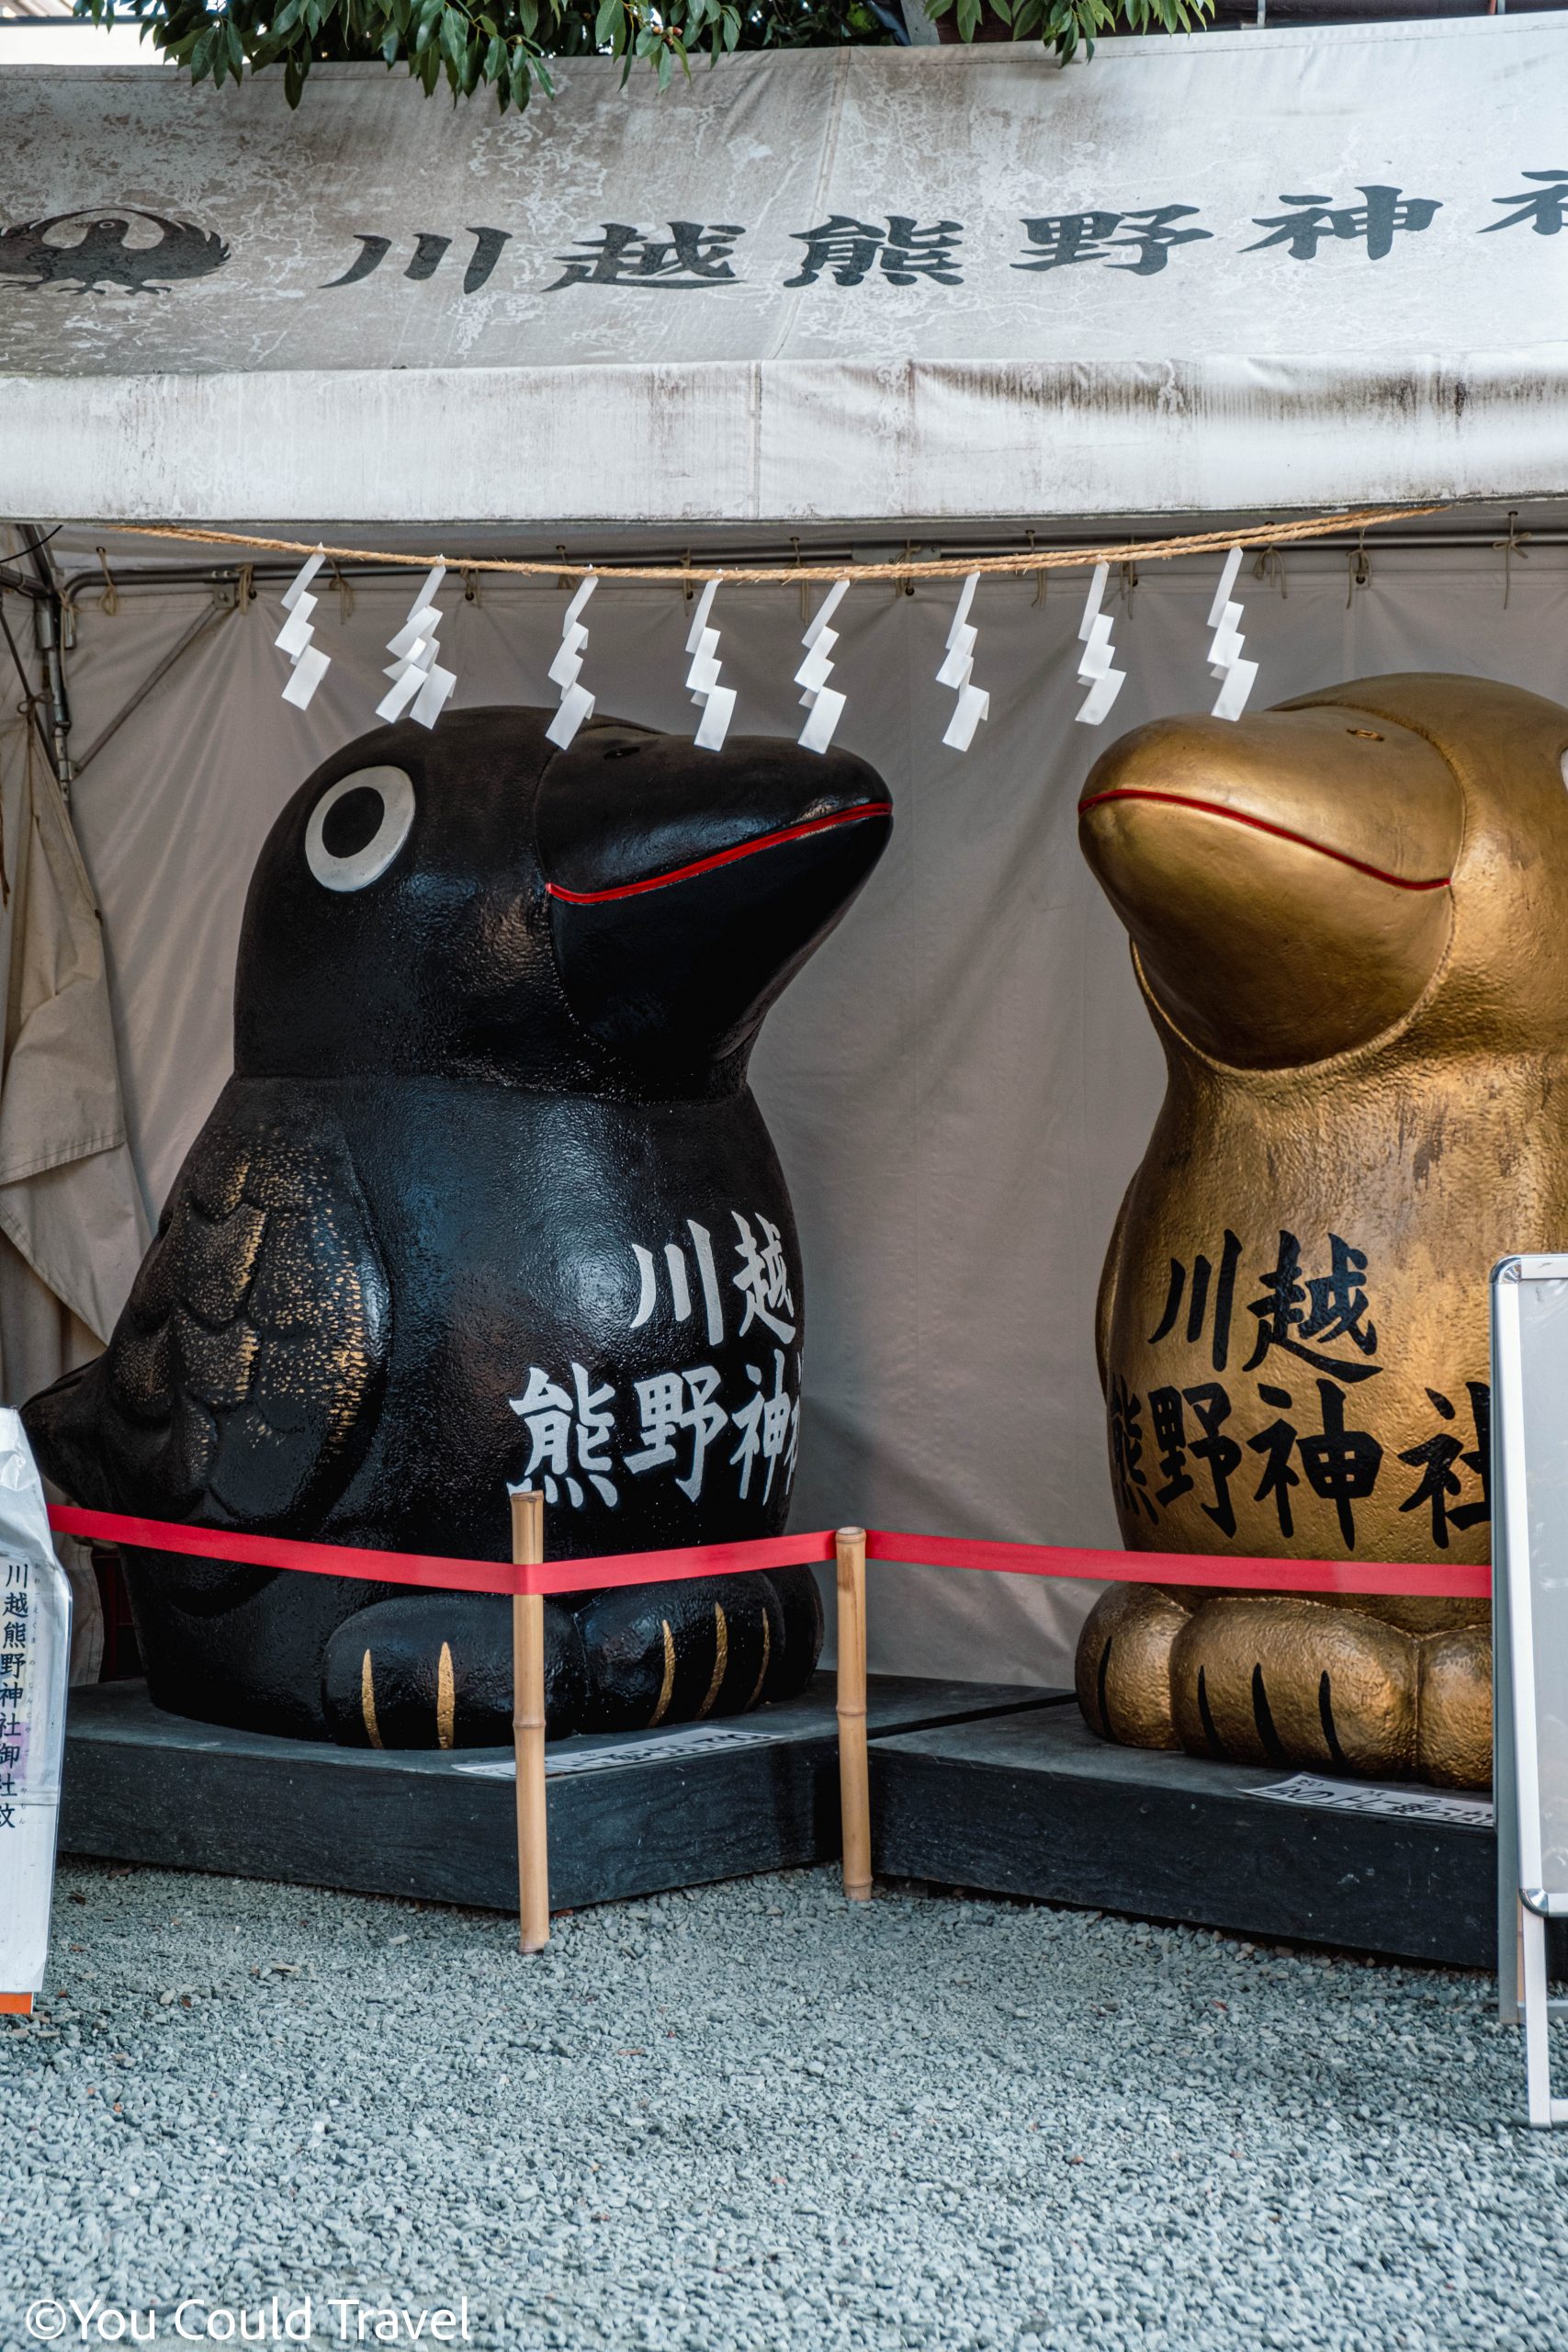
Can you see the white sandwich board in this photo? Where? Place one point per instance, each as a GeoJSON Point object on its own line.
{"type": "Point", "coordinates": [1529, 1636]}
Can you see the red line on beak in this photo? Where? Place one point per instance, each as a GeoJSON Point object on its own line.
{"type": "Point", "coordinates": [1261, 825]}
{"type": "Point", "coordinates": [721, 858]}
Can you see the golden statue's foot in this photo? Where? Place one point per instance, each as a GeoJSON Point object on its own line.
{"type": "Point", "coordinates": [1453, 1731]}
{"type": "Point", "coordinates": [1381, 1691]}
{"type": "Point", "coordinates": [1122, 1665]}
{"type": "Point", "coordinates": [1271, 1679]}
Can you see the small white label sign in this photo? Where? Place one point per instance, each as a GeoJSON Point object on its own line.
{"type": "Point", "coordinates": [1395, 1802]}
{"type": "Point", "coordinates": [687, 1740]}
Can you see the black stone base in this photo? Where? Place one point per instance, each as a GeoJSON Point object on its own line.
{"type": "Point", "coordinates": [1035, 1804]}
{"type": "Point", "coordinates": [629, 1814]}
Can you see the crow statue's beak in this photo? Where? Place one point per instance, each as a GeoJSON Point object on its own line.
{"type": "Point", "coordinates": [686, 887]}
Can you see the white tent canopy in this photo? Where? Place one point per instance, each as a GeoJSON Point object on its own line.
{"type": "Point", "coordinates": [1243, 270]}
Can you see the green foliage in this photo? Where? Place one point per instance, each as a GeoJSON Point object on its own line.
{"type": "Point", "coordinates": [1062, 24]}
{"type": "Point", "coordinates": [505, 45]}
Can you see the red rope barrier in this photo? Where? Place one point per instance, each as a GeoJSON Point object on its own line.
{"type": "Point", "coordinates": [670, 1568]}
{"type": "Point", "coordinates": [1431, 1580]}
{"type": "Point", "coordinates": [432, 1568]}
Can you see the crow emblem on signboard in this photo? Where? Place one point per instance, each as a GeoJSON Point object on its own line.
{"type": "Point", "coordinates": [102, 258]}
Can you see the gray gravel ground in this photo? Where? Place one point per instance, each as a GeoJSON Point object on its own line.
{"type": "Point", "coordinates": [756, 2116]}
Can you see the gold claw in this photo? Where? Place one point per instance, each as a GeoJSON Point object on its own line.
{"type": "Point", "coordinates": [666, 1688]}
{"type": "Point", "coordinates": [762, 1669]}
{"type": "Point", "coordinates": [721, 1660]}
{"type": "Point", "coordinates": [445, 1698]}
{"type": "Point", "coordinates": [368, 1701]}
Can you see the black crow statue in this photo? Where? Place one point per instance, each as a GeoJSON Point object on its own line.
{"type": "Point", "coordinates": [487, 1204]}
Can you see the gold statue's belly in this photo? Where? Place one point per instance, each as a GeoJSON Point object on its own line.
{"type": "Point", "coordinates": [1313, 1390]}
{"type": "Point", "coordinates": [1316, 1390]}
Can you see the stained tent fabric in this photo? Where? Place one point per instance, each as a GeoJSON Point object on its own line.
{"type": "Point", "coordinates": [73, 1227]}
{"type": "Point", "coordinates": [960, 1083]}
{"type": "Point", "coordinates": [1253, 268]}
{"type": "Point", "coordinates": [70, 1203]}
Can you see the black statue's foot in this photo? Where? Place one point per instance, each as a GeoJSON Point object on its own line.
{"type": "Point", "coordinates": [717, 1645]}
{"type": "Point", "coordinates": [435, 1669]}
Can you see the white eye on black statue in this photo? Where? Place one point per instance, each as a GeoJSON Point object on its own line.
{"type": "Point", "coordinates": [357, 827]}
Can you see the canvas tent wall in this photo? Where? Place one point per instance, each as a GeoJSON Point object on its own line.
{"type": "Point", "coordinates": [963, 1081]}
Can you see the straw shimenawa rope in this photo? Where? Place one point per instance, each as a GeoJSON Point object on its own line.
{"type": "Point", "coordinates": [559, 568]}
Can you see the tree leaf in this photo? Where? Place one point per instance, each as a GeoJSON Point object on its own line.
{"type": "Point", "coordinates": [457, 40]}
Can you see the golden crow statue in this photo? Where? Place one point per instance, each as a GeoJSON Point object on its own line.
{"type": "Point", "coordinates": [1350, 921]}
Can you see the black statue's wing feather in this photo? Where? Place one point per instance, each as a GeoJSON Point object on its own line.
{"type": "Point", "coordinates": [241, 1382]}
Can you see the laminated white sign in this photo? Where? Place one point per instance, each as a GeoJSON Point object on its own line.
{"type": "Point", "coordinates": [1530, 1637]}
{"type": "Point", "coordinates": [35, 1670]}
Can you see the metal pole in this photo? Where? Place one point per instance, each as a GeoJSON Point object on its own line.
{"type": "Point", "coordinates": [46, 635]}
{"type": "Point", "coordinates": [198, 629]}
{"type": "Point", "coordinates": [1504, 1791]}
{"type": "Point", "coordinates": [31, 703]}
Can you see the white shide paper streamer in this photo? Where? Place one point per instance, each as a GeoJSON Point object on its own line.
{"type": "Point", "coordinates": [1224, 654]}
{"type": "Point", "coordinates": [824, 703]}
{"type": "Point", "coordinates": [576, 701]}
{"type": "Point", "coordinates": [307, 663]}
{"type": "Point", "coordinates": [420, 685]}
{"type": "Point", "coordinates": [958, 670]}
{"type": "Point", "coordinates": [715, 702]}
{"type": "Point", "coordinates": [1095, 669]}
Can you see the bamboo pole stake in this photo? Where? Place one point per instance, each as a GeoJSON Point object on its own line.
{"type": "Point", "coordinates": [854, 1790]}
{"type": "Point", "coordinates": [528, 1728]}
